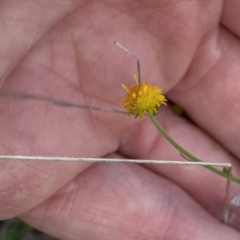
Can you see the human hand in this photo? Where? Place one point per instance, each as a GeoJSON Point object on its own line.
{"type": "Point", "coordinates": [64, 49]}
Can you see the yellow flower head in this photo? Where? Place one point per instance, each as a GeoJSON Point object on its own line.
{"type": "Point", "coordinates": [143, 98]}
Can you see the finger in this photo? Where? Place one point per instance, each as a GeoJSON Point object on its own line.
{"type": "Point", "coordinates": [23, 25]}
{"type": "Point", "coordinates": [209, 92]}
{"type": "Point", "coordinates": [124, 201]}
{"type": "Point", "coordinates": [208, 189]}
{"type": "Point", "coordinates": [230, 16]}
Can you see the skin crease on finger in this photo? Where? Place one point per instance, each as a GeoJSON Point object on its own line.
{"type": "Point", "coordinates": [71, 57]}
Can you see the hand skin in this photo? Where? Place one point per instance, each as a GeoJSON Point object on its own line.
{"type": "Point", "coordinates": [64, 49]}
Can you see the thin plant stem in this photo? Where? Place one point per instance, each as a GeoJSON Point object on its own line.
{"type": "Point", "coordinates": [188, 156]}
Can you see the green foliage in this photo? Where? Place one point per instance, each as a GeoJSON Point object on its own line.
{"type": "Point", "coordinates": [16, 229]}
{"type": "Point", "coordinates": [177, 109]}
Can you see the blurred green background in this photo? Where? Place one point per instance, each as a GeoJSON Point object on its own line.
{"type": "Point", "coordinates": [15, 229]}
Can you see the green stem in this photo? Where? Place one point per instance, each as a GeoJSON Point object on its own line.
{"type": "Point", "coordinates": [185, 153]}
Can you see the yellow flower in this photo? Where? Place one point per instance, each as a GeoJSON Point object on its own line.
{"type": "Point", "coordinates": [143, 98]}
